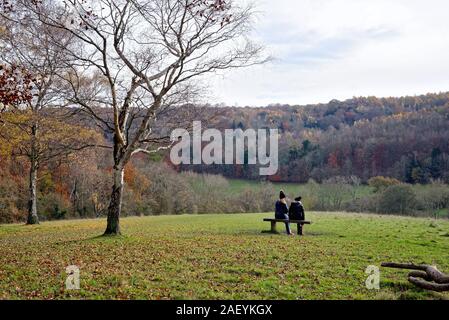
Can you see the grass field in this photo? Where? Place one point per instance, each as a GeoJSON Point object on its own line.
{"type": "Point", "coordinates": [238, 185]}
{"type": "Point", "coordinates": [220, 257]}
{"type": "Point", "coordinates": [291, 189]}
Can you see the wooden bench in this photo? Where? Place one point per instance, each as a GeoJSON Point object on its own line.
{"type": "Point", "coordinates": [299, 223]}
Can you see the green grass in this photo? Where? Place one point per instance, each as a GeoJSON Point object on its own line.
{"type": "Point", "coordinates": [220, 257]}
{"type": "Point", "coordinates": [292, 190]}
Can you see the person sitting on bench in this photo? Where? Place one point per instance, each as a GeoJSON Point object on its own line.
{"type": "Point", "coordinates": [281, 211]}
{"type": "Point", "coordinates": [296, 211]}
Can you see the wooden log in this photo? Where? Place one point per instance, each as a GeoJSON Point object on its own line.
{"type": "Point", "coordinates": [427, 285]}
{"type": "Point", "coordinates": [424, 276]}
{"type": "Point", "coordinates": [420, 274]}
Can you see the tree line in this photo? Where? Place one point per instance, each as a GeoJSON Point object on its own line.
{"type": "Point", "coordinates": [403, 138]}
{"type": "Point", "coordinates": [79, 187]}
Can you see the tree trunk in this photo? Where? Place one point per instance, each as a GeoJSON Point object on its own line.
{"type": "Point", "coordinates": [32, 202]}
{"type": "Point", "coordinates": [115, 204]}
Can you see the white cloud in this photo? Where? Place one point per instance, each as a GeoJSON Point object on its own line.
{"type": "Point", "coordinates": [329, 49]}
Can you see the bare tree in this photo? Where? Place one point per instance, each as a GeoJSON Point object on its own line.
{"type": "Point", "coordinates": [144, 59]}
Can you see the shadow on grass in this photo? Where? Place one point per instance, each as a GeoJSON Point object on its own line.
{"type": "Point", "coordinates": [323, 233]}
{"type": "Point", "coordinates": [408, 291]}
{"type": "Point", "coordinates": [305, 233]}
{"type": "Point", "coordinates": [99, 238]}
{"type": "Point", "coordinates": [195, 234]}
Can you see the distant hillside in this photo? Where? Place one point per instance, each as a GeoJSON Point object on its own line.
{"type": "Point", "coordinates": [406, 138]}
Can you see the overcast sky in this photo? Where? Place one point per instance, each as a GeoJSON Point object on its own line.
{"type": "Point", "coordinates": [337, 49]}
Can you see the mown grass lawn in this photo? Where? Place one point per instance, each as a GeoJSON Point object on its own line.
{"type": "Point", "coordinates": [220, 257]}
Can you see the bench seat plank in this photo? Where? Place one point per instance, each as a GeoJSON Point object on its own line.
{"type": "Point", "coordinates": [299, 223]}
{"type": "Point", "coordinates": [291, 221]}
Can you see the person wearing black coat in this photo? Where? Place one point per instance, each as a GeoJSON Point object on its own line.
{"type": "Point", "coordinates": [296, 211]}
{"type": "Point", "coordinates": [281, 211]}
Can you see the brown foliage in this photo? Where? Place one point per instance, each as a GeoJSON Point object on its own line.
{"type": "Point", "coordinates": [16, 86]}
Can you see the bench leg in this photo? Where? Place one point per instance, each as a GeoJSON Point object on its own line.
{"type": "Point", "coordinates": [299, 229]}
{"type": "Point", "coordinates": [273, 227]}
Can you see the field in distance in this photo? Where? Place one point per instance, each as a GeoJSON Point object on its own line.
{"type": "Point", "coordinates": [220, 257]}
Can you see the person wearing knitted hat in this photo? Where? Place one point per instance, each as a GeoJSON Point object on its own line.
{"type": "Point", "coordinates": [281, 211]}
{"type": "Point", "coordinates": [296, 210]}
